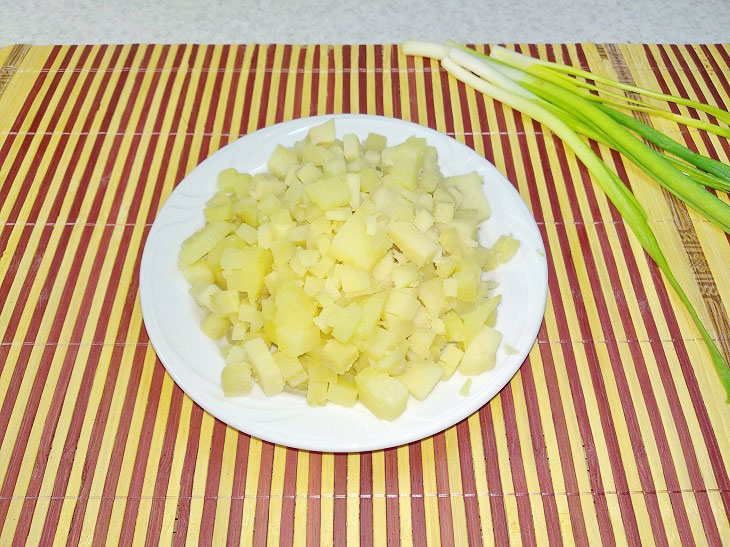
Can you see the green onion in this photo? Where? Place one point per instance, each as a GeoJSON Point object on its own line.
{"type": "Point", "coordinates": [715, 167]}
{"type": "Point", "coordinates": [567, 114]}
{"type": "Point", "coordinates": [527, 63]}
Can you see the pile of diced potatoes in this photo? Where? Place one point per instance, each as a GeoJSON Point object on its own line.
{"type": "Point", "coordinates": [349, 271]}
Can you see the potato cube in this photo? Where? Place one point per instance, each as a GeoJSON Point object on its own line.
{"type": "Point", "coordinates": [342, 392]}
{"type": "Point", "coordinates": [380, 342]}
{"type": "Point", "coordinates": [414, 244]}
{"type": "Point", "coordinates": [369, 179]}
{"type": "Point", "coordinates": [392, 360]}
{"type": "Point", "coordinates": [421, 378]}
{"type": "Point", "coordinates": [420, 342]}
{"type": "Point", "coordinates": [317, 392]}
{"type": "Point", "coordinates": [291, 368]}
{"type": "Point", "coordinates": [374, 141]}
{"type": "Point", "coordinates": [402, 304]}
{"type": "Point", "coordinates": [474, 319]}
{"type": "Point", "coordinates": [247, 233]}
{"type": "Point", "coordinates": [384, 396]}
{"type": "Point", "coordinates": [505, 248]}
{"type": "Point", "coordinates": [282, 251]}
{"type": "Point", "coordinates": [372, 309]}
{"type": "Point", "coordinates": [405, 275]}
{"type": "Point", "coordinates": [236, 379]}
{"type": "Point", "coordinates": [335, 167]}
{"type": "Point", "coordinates": [345, 321]}
{"type": "Point", "coordinates": [480, 354]}
{"type": "Point", "coordinates": [295, 341]}
{"type": "Point", "coordinates": [281, 160]}
{"type": "Point", "coordinates": [198, 272]}
{"type": "Point", "coordinates": [233, 182]}
{"type": "Point", "coordinates": [470, 187]}
{"type": "Point", "coordinates": [225, 303]}
{"type": "Point", "coordinates": [351, 147]}
{"type": "Point", "coordinates": [218, 212]}
{"type": "Point", "coordinates": [322, 134]}
{"type": "Point", "coordinates": [354, 279]}
{"type": "Point", "coordinates": [309, 173]}
{"type": "Point", "coordinates": [423, 220]}
{"type": "Point", "coordinates": [339, 357]}
{"type": "Point", "coordinates": [464, 391]}
{"type": "Point", "coordinates": [267, 371]}
{"type": "Point", "coordinates": [328, 193]}
{"type": "Point", "coordinates": [317, 369]}
{"type": "Point", "coordinates": [454, 327]}
{"type": "Point", "coordinates": [214, 326]}
{"type": "Point", "coordinates": [202, 241]}
{"type": "Point", "coordinates": [244, 269]}
{"type": "Point", "coordinates": [353, 183]}
{"type": "Point", "coordinates": [247, 209]}
{"type": "Point", "coordinates": [450, 360]}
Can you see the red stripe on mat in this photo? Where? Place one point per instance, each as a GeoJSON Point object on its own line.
{"type": "Point", "coordinates": [289, 500]}
{"type": "Point", "coordinates": [366, 498]}
{"type": "Point", "coordinates": [339, 529]}
{"type": "Point", "coordinates": [314, 503]}
{"type": "Point", "coordinates": [263, 494]}
{"type": "Point", "coordinates": [517, 468]}
{"type": "Point", "coordinates": [238, 490]}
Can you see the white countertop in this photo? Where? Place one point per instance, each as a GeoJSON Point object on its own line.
{"type": "Point", "coordinates": [376, 21]}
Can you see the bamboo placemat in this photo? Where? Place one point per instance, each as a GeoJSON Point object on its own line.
{"type": "Point", "coordinates": [614, 431]}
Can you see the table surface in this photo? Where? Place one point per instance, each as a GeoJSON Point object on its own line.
{"type": "Point", "coordinates": [614, 430]}
{"type": "Point", "coordinates": [371, 22]}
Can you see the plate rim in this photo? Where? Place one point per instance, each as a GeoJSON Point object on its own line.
{"type": "Point", "coordinates": [158, 341]}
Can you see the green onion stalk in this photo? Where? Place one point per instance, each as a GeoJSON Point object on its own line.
{"type": "Point", "coordinates": [531, 87]}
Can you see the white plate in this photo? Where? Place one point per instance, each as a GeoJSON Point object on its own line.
{"type": "Point", "coordinates": [194, 361]}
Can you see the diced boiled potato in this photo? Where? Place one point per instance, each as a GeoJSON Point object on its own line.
{"type": "Point", "coordinates": [225, 303]}
{"type": "Point", "coordinates": [351, 147]}
{"type": "Point", "coordinates": [345, 321]}
{"type": "Point", "coordinates": [342, 392]}
{"type": "Point", "coordinates": [474, 319]}
{"type": "Point", "coordinates": [443, 212]}
{"type": "Point", "coordinates": [215, 213]}
{"type": "Point", "coordinates": [402, 304]}
{"type": "Point", "coordinates": [454, 327]}
{"type": "Point", "coordinates": [359, 262]}
{"type": "Point", "coordinates": [379, 342]}
{"type": "Point", "coordinates": [198, 272]}
{"type": "Point", "coordinates": [322, 134]}
{"type": "Point", "coordinates": [376, 142]}
{"type": "Point", "coordinates": [309, 173]}
{"type": "Point", "coordinates": [196, 246]}
{"type": "Point", "coordinates": [317, 392]}
{"type": "Point", "coordinates": [505, 248]}
{"type": "Point", "coordinates": [414, 244]}
{"type": "Point", "coordinates": [481, 353]}
{"type": "Point", "coordinates": [281, 160]}
{"type": "Point", "coordinates": [236, 379]}
{"type": "Point", "coordinates": [328, 193]}
{"type": "Point", "coordinates": [470, 187]}
{"type": "Point", "coordinates": [268, 373]}
{"type": "Point", "coordinates": [354, 279]}
{"type": "Point", "coordinates": [421, 378]}
{"type": "Point", "coordinates": [450, 359]}
{"type": "Point", "coordinates": [420, 342]}
{"type": "Point", "coordinates": [214, 326]}
{"type": "Point", "coordinates": [339, 357]}
{"type": "Point", "coordinates": [230, 180]}
{"type": "Point", "coordinates": [292, 371]}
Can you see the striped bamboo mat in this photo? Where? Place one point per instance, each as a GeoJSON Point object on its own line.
{"type": "Point", "coordinates": [614, 431]}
